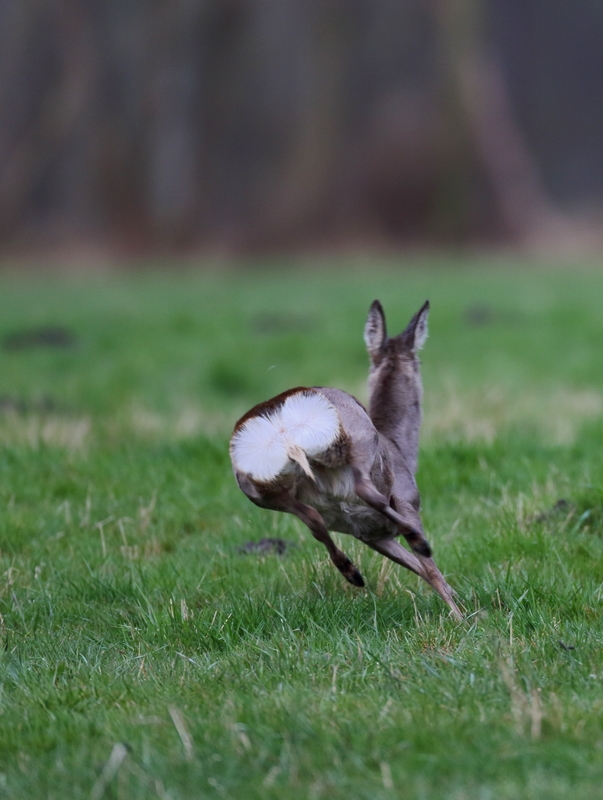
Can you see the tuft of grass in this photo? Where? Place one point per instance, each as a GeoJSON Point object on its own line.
{"type": "Point", "coordinates": [143, 655]}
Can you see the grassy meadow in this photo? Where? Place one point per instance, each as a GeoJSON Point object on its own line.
{"type": "Point", "coordinates": [143, 655]}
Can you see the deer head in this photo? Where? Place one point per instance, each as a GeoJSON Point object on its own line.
{"type": "Point", "coordinates": [395, 387]}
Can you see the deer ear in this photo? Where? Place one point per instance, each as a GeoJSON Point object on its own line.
{"type": "Point", "coordinates": [375, 333]}
{"type": "Point", "coordinates": [415, 335]}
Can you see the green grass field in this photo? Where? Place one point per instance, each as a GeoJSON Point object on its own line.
{"type": "Point", "coordinates": [142, 655]}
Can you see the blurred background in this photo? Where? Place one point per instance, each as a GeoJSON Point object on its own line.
{"type": "Point", "coordinates": [137, 127]}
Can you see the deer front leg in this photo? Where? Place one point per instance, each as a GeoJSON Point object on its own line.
{"type": "Point", "coordinates": [310, 517]}
{"type": "Point", "coordinates": [367, 491]}
{"type": "Point", "coordinates": [425, 568]}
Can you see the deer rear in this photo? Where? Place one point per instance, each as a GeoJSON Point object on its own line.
{"type": "Point", "coordinates": [317, 453]}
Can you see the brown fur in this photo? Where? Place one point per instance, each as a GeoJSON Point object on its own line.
{"type": "Point", "coordinates": [269, 406]}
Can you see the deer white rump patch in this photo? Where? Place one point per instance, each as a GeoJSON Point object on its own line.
{"type": "Point", "coordinates": [305, 425]}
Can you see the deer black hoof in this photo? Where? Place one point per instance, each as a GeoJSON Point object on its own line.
{"type": "Point", "coordinates": [347, 569]}
{"type": "Point", "coordinates": [423, 549]}
{"type": "Point", "coordinates": [354, 577]}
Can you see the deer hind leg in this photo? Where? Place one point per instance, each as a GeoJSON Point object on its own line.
{"type": "Point", "coordinates": [425, 568]}
{"type": "Point", "coordinates": [310, 517]}
{"type": "Point", "coordinates": [410, 529]}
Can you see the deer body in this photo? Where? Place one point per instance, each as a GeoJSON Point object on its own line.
{"type": "Point", "coordinates": [318, 454]}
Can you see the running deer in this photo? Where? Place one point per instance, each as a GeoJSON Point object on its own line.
{"type": "Point", "coordinates": [317, 453]}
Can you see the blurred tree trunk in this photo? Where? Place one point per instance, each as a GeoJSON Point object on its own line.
{"type": "Point", "coordinates": [482, 128]}
{"type": "Point", "coordinates": [57, 136]}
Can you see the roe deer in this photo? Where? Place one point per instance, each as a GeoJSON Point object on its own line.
{"type": "Point", "coordinates": [316, 453]}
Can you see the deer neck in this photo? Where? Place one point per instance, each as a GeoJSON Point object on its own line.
{"type": "Point", "coordinates": [395, 395]}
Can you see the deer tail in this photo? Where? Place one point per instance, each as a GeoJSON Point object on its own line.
{"type": "Point", "coordinates": [297, 454]}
